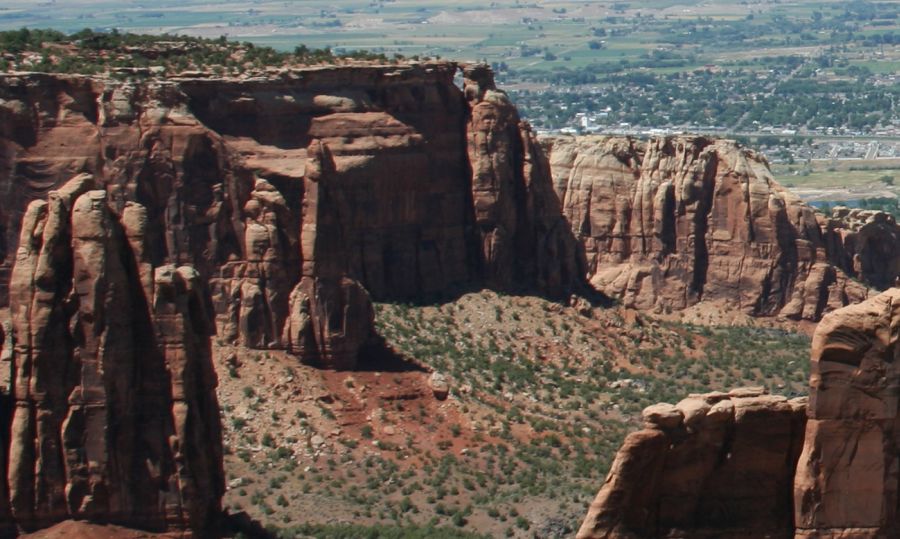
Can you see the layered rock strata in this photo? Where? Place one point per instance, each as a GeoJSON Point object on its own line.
{"type": "Point", "coordinates": [714, 465]}
{"type": "Point", "coordinates": [299, 185]}
{"type": "Point", "coordinates": [115, 415]}
{"type": "Point", "coordinates": [671, 222]}
{"type": "Point", "coordinates": [517, 212]}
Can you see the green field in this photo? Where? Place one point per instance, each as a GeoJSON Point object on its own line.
{"type": "Point", "coordinates": [813, 67]}
{"type": "Point", "coordinates": [857, 173]}
{"type": "Point", "coordinates": [544, 35]}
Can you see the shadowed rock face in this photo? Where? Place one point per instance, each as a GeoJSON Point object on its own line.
{"type": "Point", "coordinates": [864, 243]}
{"type": "Point", "coordinates": [714, 465]}
{"type": "Point", "coordinates": [302, 184]}
{"type": "Point", "coordinates": [115, 414]}
{"type": "Point", "coordinates": [517, 214]}
{"type": "Point", "coordinates": [672, 222]}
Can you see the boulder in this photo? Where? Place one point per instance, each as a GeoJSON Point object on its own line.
{"type": "Point", "coordinates": [663, 416]}
{"type": "Point", "coordinates": [440, 388]}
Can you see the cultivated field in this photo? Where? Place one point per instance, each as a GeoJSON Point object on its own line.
{"type": "Point", "coordinates": [501, 30]}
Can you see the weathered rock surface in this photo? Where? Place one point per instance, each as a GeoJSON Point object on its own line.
{"type": "Point", "coordinates": [847, 477]}
{"type": "Point", "coordinates": [300, 184]}
{"type": "Point", "coordinates": [524, 239]}
{"type": "Point", "coordinates": [714, 465]}
{"type": "Point", "coordinates": [672, 222]}
{"type": "Point", "coordinates": [864, 244]}
{"type": "Point", "coordinates": [115, 414]}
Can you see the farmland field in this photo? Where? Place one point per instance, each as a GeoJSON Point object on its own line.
{"type": "Point", "coordinates": [562, 32]}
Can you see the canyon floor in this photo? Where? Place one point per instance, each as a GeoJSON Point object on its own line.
{"type": "Point", "coordinates": [540, 396]}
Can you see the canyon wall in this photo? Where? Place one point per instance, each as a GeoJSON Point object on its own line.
{"type": "Point", "coordinates": [115, 417]}
{"type": "Point", "coordinates": [671, 222]}
{"type": "Point", "coordinates": [301, 195]}
{"type": "Point", "coordinates": [742, 465]}
{"type": "Point", "coordinates": [141, 217]}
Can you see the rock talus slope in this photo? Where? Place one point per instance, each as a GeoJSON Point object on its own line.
{"type": "Point", "coordinates": [115, 415]}
{"type": "Point", "coordinates": [671, 222]}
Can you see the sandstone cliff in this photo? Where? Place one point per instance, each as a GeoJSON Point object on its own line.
{"type": "Point", "coordinates": [293, 193]}
{"type": "Point", "coordinates": [714, 465]}
{"type": "Point", "coordinates": [672, 222]}
{"type": "Point", "coordinates": [847, 478]}
{"type": "Point", "coordinates": [115, 415]}
{"type": "Point", "coordinates": [301, 195]}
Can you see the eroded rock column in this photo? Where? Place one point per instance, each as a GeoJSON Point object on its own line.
{"type": "Point", "coordinates": [115, 416]}
{"type": "Point", "coordinates": [331, 316]}
{"type": "Point", "coordinates": [525, 241]}
{"type": "Point", "coordinates": [847, 478]}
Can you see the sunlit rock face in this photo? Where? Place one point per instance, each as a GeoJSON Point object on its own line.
{"type": "Point", "coordinates": [713, 465]}
{"type": "Point", "coordinates": [672, 222]}
{"type": "Point", "coordinates": [847, 475]}
{"type": "Point", "coordinates": [744, 464]}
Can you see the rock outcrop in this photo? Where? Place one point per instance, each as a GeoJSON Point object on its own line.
{"type": "Point", "coordinates": [864, 243]}
{"type": "Point", "coordinates": [672, 222]}
{"type": "Point", "coordinates": [115, 415]}
{"type": "Point", "coordinates": [714, 465]}
{"type": "Point", "coordinates": [731, 465]}
{"type": "Point", "coordinates": [517, 213]}
{"type": "Point", "coordinates": [284, 191]}
{"type": "Point", "coordinates": [847, 478]}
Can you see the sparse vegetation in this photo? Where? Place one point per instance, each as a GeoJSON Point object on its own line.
{"type": "Point", "coordinates": [349, 531]}
{"type": "Point", "coordinates": [535, 417]}
{"type": "Point", "coordinates": [128, 54]}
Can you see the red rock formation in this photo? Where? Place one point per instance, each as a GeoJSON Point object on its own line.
{"type": "Point", "coordinates": [675, 221]}
{"type": "Point", "coordinates": [523, 237]}
{"type": "Point", "coordinates": [252, 293]}
{"type": "Point", "coordinates": [716, 465]}
{"type": "Point", "coordinates": [677, 478]}
{"type": "Point", "coordinates": [864, 244]}
{"type": "Point", "coordinates": [847, 481]}
{"type": "Point", "coordinates": [409, 187]}
{"type": "Point", "coordinates": [115, 418]}
{"type": "Point", "coordinates": [331, 316]}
